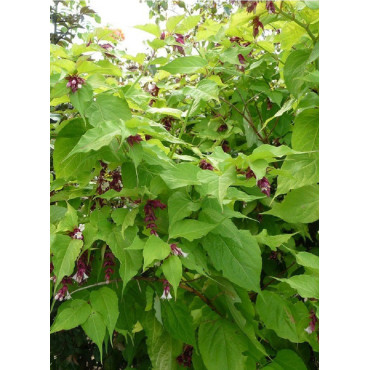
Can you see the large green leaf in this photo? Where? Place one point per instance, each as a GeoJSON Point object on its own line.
{"type": "Point", "coordinates": [108, 108]}
{"type": "Point", "coordinates": [100, 136]}
{"type": "Point", "coordinates": [70, 315]}
{"type": "Point", "coordinates": [82, 98]}
{"type": "Point", "coordinates": [185, 65]}
{"type": "Point", "coordinates": [190, 229]}
{"type": "Point", "coordinates": [65, 255]}
{"type": "Point", "coordinates": [180, 206]}
{"type": "Point", "coordinates": [178, 321]}
{"type": "Point", "coordinates": [307, 286]}
{"type": "Point", "coordinates": [299, 206]}
{"type": "Point", "coordinates": [132, 262]}
{"type": "Point", "coordinates": [286, 319]}
{"type": "Point", "coordinates": [162, 348]}
{"type": "Point", "coordinates": [69, 221]}
{"type": "Point", "coordinates": [299, 170]}
{"type": "Point", "coordinates": [238, 257]}
{"type": "Point", "coordinates": [273, 241]}
{"type": "Point", "coordinates": [308, 260]}
{"type": "Point", "coordinates": [105, 301]}
{"type": "Point", "coordinates": [222, 345]}
{"type": "Point", "coordinates": [182, 175]}
{"type": "Point", "coordinates": [205, 90]}
{"type": "Point", "coordinates": [286, 359]}
{"type": "Point", "coordinates": [294, 68]}
{"type": "Point", "coordinates": [172, 270]}
{"type": "Point", "coordinates": [155, 249]}
{"type": "Point", "coordinates": [95, 329]}
{"type": "Point", "coordinates": [150, 28]}
{"type": "Point", "coordinates": [305, 135]}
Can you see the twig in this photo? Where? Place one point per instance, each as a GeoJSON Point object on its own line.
{"type": "Point", "coordinates": [276, 122]}
{"type": "Point", "coordinates": [246, 118]}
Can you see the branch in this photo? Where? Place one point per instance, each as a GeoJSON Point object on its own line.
{"type": "Point", "coordinates": [246, 118]}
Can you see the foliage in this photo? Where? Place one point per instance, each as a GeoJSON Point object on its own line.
{"type": "Point", "coordinates": [184, 192]}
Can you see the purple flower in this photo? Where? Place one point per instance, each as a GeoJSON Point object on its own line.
{"type": "Point", "coordinates": [134, 139]}
{"type": "Point", "coordinates": [270, 6]}
{"type": "Point", "coordinates": [222, 128]}
{"type": "Point", "coordinates": [249, 174]}
{"type": "Point", "coordinates": [311, 327]}
{"type": "Point", "coordinates": [163, 36]}
{"type": "Point", "coordinates": [108, 264]}
{"type": "Point", "coordinates": [204, 165]}
{"type": "Point", "coordinates": [106, 46]}
{"type": "Point", "coordinates": [150, 216]}
{"type": "Point", "coordinates": [75, 82]}
{"type": "Point", "coordinates": [256, 24]}
{"type": "Point", "coordinates": [178, 251]}
{"type": "Point", "coordinates": [185, 359]}
{"type": "Point", "coordinates": [264, 185]}
{"type": "Point", "coordinates": [81, 275]}
{"type": "Point", "coordinates": [250, 5]}
{"type": "Point", "coordinates": [77, 232]}
{"type": "Point", "coordinates": [63, 291]}
{"type": "Point", "coordinates": [153, 89]}
{"type": "Point", "coordinates": [181, 40]}
{"type": "Point", "coordinates": [241, 59]}
{"type": "Point", "coordinates": [166, 290]}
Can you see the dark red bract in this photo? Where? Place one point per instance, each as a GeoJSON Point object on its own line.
{"type": "Point", "coordinates": [134, 139]}
{"type": "Point", "coordinates": [204, 165]}
{"type": "Point", "coordinates": [270, 7]}
{"type": "Point", "coordinates": [256, 24]}
{"type": "Point", "coordinates": [185, 359]}
{"type": "Point", "coordinates": [75, 82]}
{"type": "Point", "coordinates": [150, 216]}
{"type": "Point", "coordinates": [264, 185]}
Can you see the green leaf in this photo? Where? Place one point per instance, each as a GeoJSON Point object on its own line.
{"type": "Point", "coordinates": [272, 241]}
{"type": "Point", "coordinates": [155, 249]}
{"type": "Point", "coordinates": [172, 270]}
{"type": "Point", "coordinates": [222, 345]}
{"type": "Point", "coordinates": [132, 261]}
{"type": "Point", "coordinates": [238, 257]}
{"type": "Point", "coordinates": [294, 67]}
{"type": "Point", "coordinates": [180, 206]}
{"type": "Point", "coordinates": [286, 359]}
{"type": "Point", "coordinates": [299, 206]}
{"type": "Point", "coordinates": [105, 301]}
{"type": "Point", "coordinates": [178, 321]}
{"type": "Point", "coordinates": [307, 260]}
{"type": "Point", "coordinates": [307, 286]}
{"type": "Point", "coordinates": [108, 108]}
{"type": "Point", "coordinates": [100, 136]}
{"type": "Point", "coordinates": [188, 24]}
{"type": "Point", "coordinates": [70, 315]}
{"type": "Point", "coordinates": [100, 67]}
{"type": "Point", "coordinates": [305, 135]}
{"type": "Point", "coordinates": [301, 170]}
{"type": "Point", "coordinates": [162, 348]}
{"type": "Point", "coordinates": [278, 314]}
{"type": "Point", "coordinates": [64, 257]}
{"type": "Point", "coordinates": [181, 175]}
{"type": "Point", "coordinates": [150, 28]}
{"type": "Point", "coordinates": [95, 329]}
{"type": "Point", "coordinates": [312, 4]}
{"type": "Point", "coordinates": [69, 221]}
{"type": "Point", "coordinates": [82, 98]}
{"type": "Point", "coordinates": [125, 217]}
{"type": "Point", "coordinates": [165, 111]}
{"type": "Point", "coordinates": [190, 229]}
{"type": "Point", "coordinates": [205, 90]}
{"type": "Point", "coordinates": [172, 22]}
{"type": "Point", "coordinates": [184, 65]}
{"type": "Point", "coordinates": [56, 213]}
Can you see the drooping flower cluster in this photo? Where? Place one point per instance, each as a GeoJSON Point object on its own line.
{"type": "Point", "coordinates": [204, 165]}
{"type": "Point", "coordinates": [249, 174]}
{"type": "Point", "coordinates": [270, 7]}
{"type": "Point", "coordinates": [311, 327]}
{"type": "Point", "coordinates": [167, 122]}
{"type": "Point", "coordinates": [75, 82]}
{"type": "Point", "coordinates": [77, 232]}
{"type": "Point", "coordinates": [108, 179]}
{"type": "Point", "coordinates": [181, 40]}
{"type": "Point", "coordinates": [63, 291]}
{"type": "Point", "coordinates": [264, 185]}
{"type": "Point", "coordinates": [177, 251]}
{"type": "Point", "coordinates": [256, 24]}
{"type": "Point", "coordinates": [150, 216]}
{"type": "Point", "coordinates": [225, 146]}
{"type": "Point", "coordinates": [166, 290]}
{"type": "Point", "coordinates": [222, 128]}
{"type": "Point", "coordinates": [134, 139]}
{"type": "Point", "coordinates": [252, 5]}
{"type": "Point", "coordinates": [186, 357]}
{"type": "Point", "coordinates": [82, 269]}
{"type": "Point", "coordinates": [108, 264]}
{"type": "Point", "coordinates": [106, 46]}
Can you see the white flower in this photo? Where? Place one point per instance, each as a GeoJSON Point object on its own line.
{"type": "Point", "coordinates": [79, 86]}
{"type": "Point", "coordinates": [81, 227]}
{"type": "Point", "coordinates": [185, 254]}
{"type": "Point", "coordinates": [164, 296]}
{"type": "Point", "coordinates": [78, 235]}
{"type": "Point", "coordinates": [308, 330]}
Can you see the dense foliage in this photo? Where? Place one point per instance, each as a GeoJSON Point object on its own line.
{"type": "Point", "coordinates": [184, 192]}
